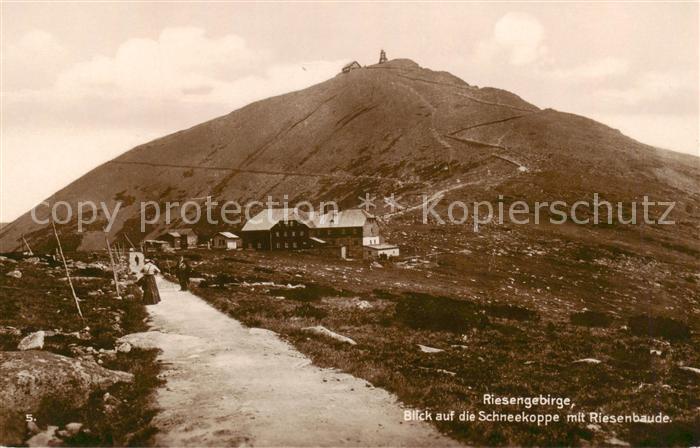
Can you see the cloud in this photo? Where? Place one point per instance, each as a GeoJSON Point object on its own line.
{"type": "Point", "coordinates": [32, 61]}
{"type": "Point", "coordinates": [606, 67]}
{"type": "Point", "coordinates": [653, 87]}
{"type": "Point", "coordinates": [180, 59]}
{"type": "Point", "coordinates": [518, 38]}
{"type": "Point", "coordinates": [183, 76]}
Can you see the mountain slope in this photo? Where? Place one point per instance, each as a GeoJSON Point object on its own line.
{"type": "Point", "coordinates": [394, 127]}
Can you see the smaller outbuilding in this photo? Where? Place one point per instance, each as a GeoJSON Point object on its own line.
{"type": "Point", "coordinates": [380, 251]}
{"type": "Point", "coordinates": [226, 240]}
{"type": "Point", "coordinates": [354, 65]}
{"type": "Point", "coordinates": [180, 238]}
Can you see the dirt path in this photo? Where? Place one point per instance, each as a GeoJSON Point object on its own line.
{"type": "Point", "coordinates": [227, 385]}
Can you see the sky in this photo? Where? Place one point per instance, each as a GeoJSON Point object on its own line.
{"type": "Point", "coordinates": [83, 82]}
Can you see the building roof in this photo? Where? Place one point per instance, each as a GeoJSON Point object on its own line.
{"type": "Point", "coordinates": [184, 231]}
{"type": "Point", "coordinates": [353, 217]}
{"type": "Point", "coordinates": [318, 240]}
{"type": "Point", "coordinates": [351, 64]}
{"type": "Point", "coordinates": [382, 246]}
{"type": "Point", "coordinates": [267, 218]}
{"type": "Point", "coordinates": [227, 235]}
{"type": "Point", "coordinates": [173, 234]}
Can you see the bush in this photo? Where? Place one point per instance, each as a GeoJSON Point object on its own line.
{"type": "Point", "coordinates": [591, 319]}
{"type": "Point", "coordinates": [656, 326]}
{"type": "Point", "coordinates": [513, 312]}
{"type": "Point", "coordinates": [439, 313]}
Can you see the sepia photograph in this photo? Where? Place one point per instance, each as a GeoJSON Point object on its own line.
{"type": "Point", "coordinates": [349, 223]}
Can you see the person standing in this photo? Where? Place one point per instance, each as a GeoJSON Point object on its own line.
{"type": "Point", "coordinates": [183, 273]}
{"type": "Point", "coordinates": [148, 283]}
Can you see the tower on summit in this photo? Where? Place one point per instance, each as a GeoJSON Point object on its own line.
{"type": "Point", "coordinates": [382, 57]}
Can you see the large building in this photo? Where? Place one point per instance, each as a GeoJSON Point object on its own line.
{"type": "Point", "coordinates": [277, 228]}
{"type": "Point", "coordinates": [290, 229]}
{"type": "Point", "coordinates": [353, 228]}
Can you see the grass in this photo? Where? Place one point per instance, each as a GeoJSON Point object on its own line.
{"type": "Point", "coordinates": [488, 346]}
{"type": "Point", "coordinates": [41, 300]}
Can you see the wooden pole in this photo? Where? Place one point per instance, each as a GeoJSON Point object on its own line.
{"type": "Point", "coordinates": [114, 268]}
{"type": "Point", "coordinates": [29, 249]}
{"type": "Point", "coordinates": [65, 266]}
{"type": "Point", "coordinates": [127, 238]}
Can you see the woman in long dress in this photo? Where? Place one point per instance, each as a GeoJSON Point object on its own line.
{"type": "Point", "coordinates": [148, 283]}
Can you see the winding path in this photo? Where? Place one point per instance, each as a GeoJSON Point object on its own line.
{"type": "Point", "coordinates": [227, 385]}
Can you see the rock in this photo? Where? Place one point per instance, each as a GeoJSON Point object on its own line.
{"type": "Point", "coordinates": [616, 442]}
{"type": "Point", "coordinates": [691, 369]}
{"type": "Point", "coordinates": [10, 331]}
{"type": "Point", "coordinates": [323, 331]}
{"type": "Point", "coordinates": [587, 361]}
{"type": "Point", "coordinates": [32, 260]}
{"type": "Point", "coordinates": [426, 349]}
{"type": "Point", "coordinates": [364, 305]}
{"type": "Point", "coordinates": [15, 274]}
{"type": "Point", "coordinates": [375, 264]}
{"type": "Point", "coordinates": [73, 428]}
{"type": "Point", "coordinates": [124, 347]}
{"type": "Point", "coordinates": [28, 377]}
{"type": "Point", "coordinates": [45, 438]}
{"type": "Point", "coordinates": [34, 341]}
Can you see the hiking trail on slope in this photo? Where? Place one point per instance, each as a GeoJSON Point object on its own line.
{"type": "Point", "coordinates": [228, 385]}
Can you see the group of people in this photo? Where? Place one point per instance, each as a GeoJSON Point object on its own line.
{"type": "Point", "coordinates": [147, 281]}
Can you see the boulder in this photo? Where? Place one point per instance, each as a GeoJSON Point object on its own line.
{"type": "Point", "coordinates": [45, 438]}
{"type": "Point", "coordinates": [323, 331]}
{"type": "Point", "coordinates": [34, 341]}
{"type": "Point", "coordinates": [124, 347]}
{"type": "Point", "coordinates": [15, 274]}
{"type": "Point", "coordinates": [28, 377]}
{"type": "Point", "coordinates": [426, 349]}
{"type": "Point", "coordinates": [587, 361]}
{"type": "Point", "coordinates": [10, 331]}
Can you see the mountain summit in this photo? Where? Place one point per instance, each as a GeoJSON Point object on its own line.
{"type": "Point", "coordinates": [386, 128]}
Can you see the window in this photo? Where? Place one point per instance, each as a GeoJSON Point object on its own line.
{"type": "Point", "coordinates": [294, 233]}
{"type": "Point", "coordinates": [259, 245]}
{"type": "Point", "coordinates": [295, 244]}
{"type": "Point", "coordinates": [286, 245]}
{"type": "Point", "coordinates": [285, 233]}
{"type": "Point", "coordinates": [278, 245]}
{"type": "Point", "coordinates": [277, 234]}
{"type": "Point", "coordinates": [301, 233]}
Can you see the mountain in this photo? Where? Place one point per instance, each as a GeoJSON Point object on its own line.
{"type": "Point", "coordinates": [387, 128]}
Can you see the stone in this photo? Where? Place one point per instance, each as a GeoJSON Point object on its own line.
{"type": "Point", "coordinates": [364, 305]}
{"type": "Point", "coordinates": [426, 349]}
{"type": "Point", "coordinates": [323, 331]}
{"type": "Point", "coordinates": [34, 341]}
{"type": "Point", "coordinates": [28, 377]}
{"type": "Point", "coordinates": [10, 331]}
{"type": "Point", "coordinates": [124, 347]}
{"type": "Point", "coordinates": [587, 361]}
{"type": "Point", "coordinates": [45, 438]}
{"type": "Point", "coordinates": [15, 274]}
{"type": "Point", "coordinates": [73, 428]}
{"type": "Point", "coordinates": [691, 369]}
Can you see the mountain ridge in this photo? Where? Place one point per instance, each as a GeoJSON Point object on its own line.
{"type": "Point", "coordinates": [384, 128]}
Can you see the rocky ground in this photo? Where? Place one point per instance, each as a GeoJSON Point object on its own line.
{"type": "Point", "coordinates": [63, 379]}
{"type": "Point", "coordinates": [613, 326]}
